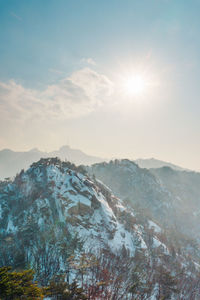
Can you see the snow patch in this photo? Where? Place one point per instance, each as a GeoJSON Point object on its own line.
{"type": "Point", "coordinates": [157, 244]}
{"type": "Point", "coordinates": [154, 226]}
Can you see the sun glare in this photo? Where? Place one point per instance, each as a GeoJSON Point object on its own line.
{"type": "Point", "coordinates": [135, 85]}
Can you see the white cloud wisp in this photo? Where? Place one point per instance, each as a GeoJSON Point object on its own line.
{"type": "Point", "coordinates": [79, 94]}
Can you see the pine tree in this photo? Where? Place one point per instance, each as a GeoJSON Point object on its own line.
{"type": "Point", "coordinates": [13, 285]}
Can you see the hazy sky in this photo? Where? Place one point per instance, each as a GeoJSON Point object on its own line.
{"type": "Point", "coordinates": [66, 68]}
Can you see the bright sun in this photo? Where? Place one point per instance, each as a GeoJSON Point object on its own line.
{"type": "Point", "coordinates": [135, 85]}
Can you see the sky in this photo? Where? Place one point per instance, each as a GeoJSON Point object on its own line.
{"type": "Point", "coordinates": [114, 78]}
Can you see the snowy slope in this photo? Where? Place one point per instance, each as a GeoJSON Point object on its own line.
{"type": "Point", "coordinates": [137, 186]}
{"type": "Point", "coordinates": [55, 210]}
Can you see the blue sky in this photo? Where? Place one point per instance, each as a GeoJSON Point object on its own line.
{"type": "Point", "coordinates": [36, 36]}
{"type": "Point", "coordinates": [49, 49]}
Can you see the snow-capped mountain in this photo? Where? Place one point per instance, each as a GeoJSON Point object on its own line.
{"type": "Point", "coordinates": [55, 211]}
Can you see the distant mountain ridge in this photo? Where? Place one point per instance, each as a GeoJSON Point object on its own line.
{"type": "Point", "coordinates": [12, 162]}
{"type": "Point", "coordinates": [152, 163]}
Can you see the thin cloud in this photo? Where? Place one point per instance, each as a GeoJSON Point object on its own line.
{"type": "Point", "coordinates": [79, 94]}
{"type": "Point", "coordinates": [89, 61]}
{"type": "Point", "coordinates": [15, 16]}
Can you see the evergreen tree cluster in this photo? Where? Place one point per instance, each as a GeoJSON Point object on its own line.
{"type": "Point", "coordinates": [21, 285]}
{"type": "Point", "coordinates": [14, 285]}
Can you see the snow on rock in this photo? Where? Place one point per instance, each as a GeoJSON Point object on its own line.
{"type": "Point", "coordinates": [53, 210]}
{"type": "Point", "coordinates": [58, 194]}
{"type": "Point", "coordinates": [154, 226]}
{"type": "Point", "coordinates": [157, 244]}
{"type": "Point", "coordinates": [53, 193]}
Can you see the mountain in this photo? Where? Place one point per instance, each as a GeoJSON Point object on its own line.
{"type": "Point", "coordinates": [185, 187]}
{"type": "Point", "coordinates": [170, 197]}
{"type": "Point", "coordinates": [137, 186]}
{"type": "Point", "coordinates": [75, 156]}
{"type": "Point", "coordinates": [58, 219]}
{"type": "Point", "coordinates": [152, 163]}
{"type": "Point", "coordinates": [12, 162]}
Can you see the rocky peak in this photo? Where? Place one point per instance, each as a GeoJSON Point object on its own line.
{"type": "Point", "coordinates": [55, 209]}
